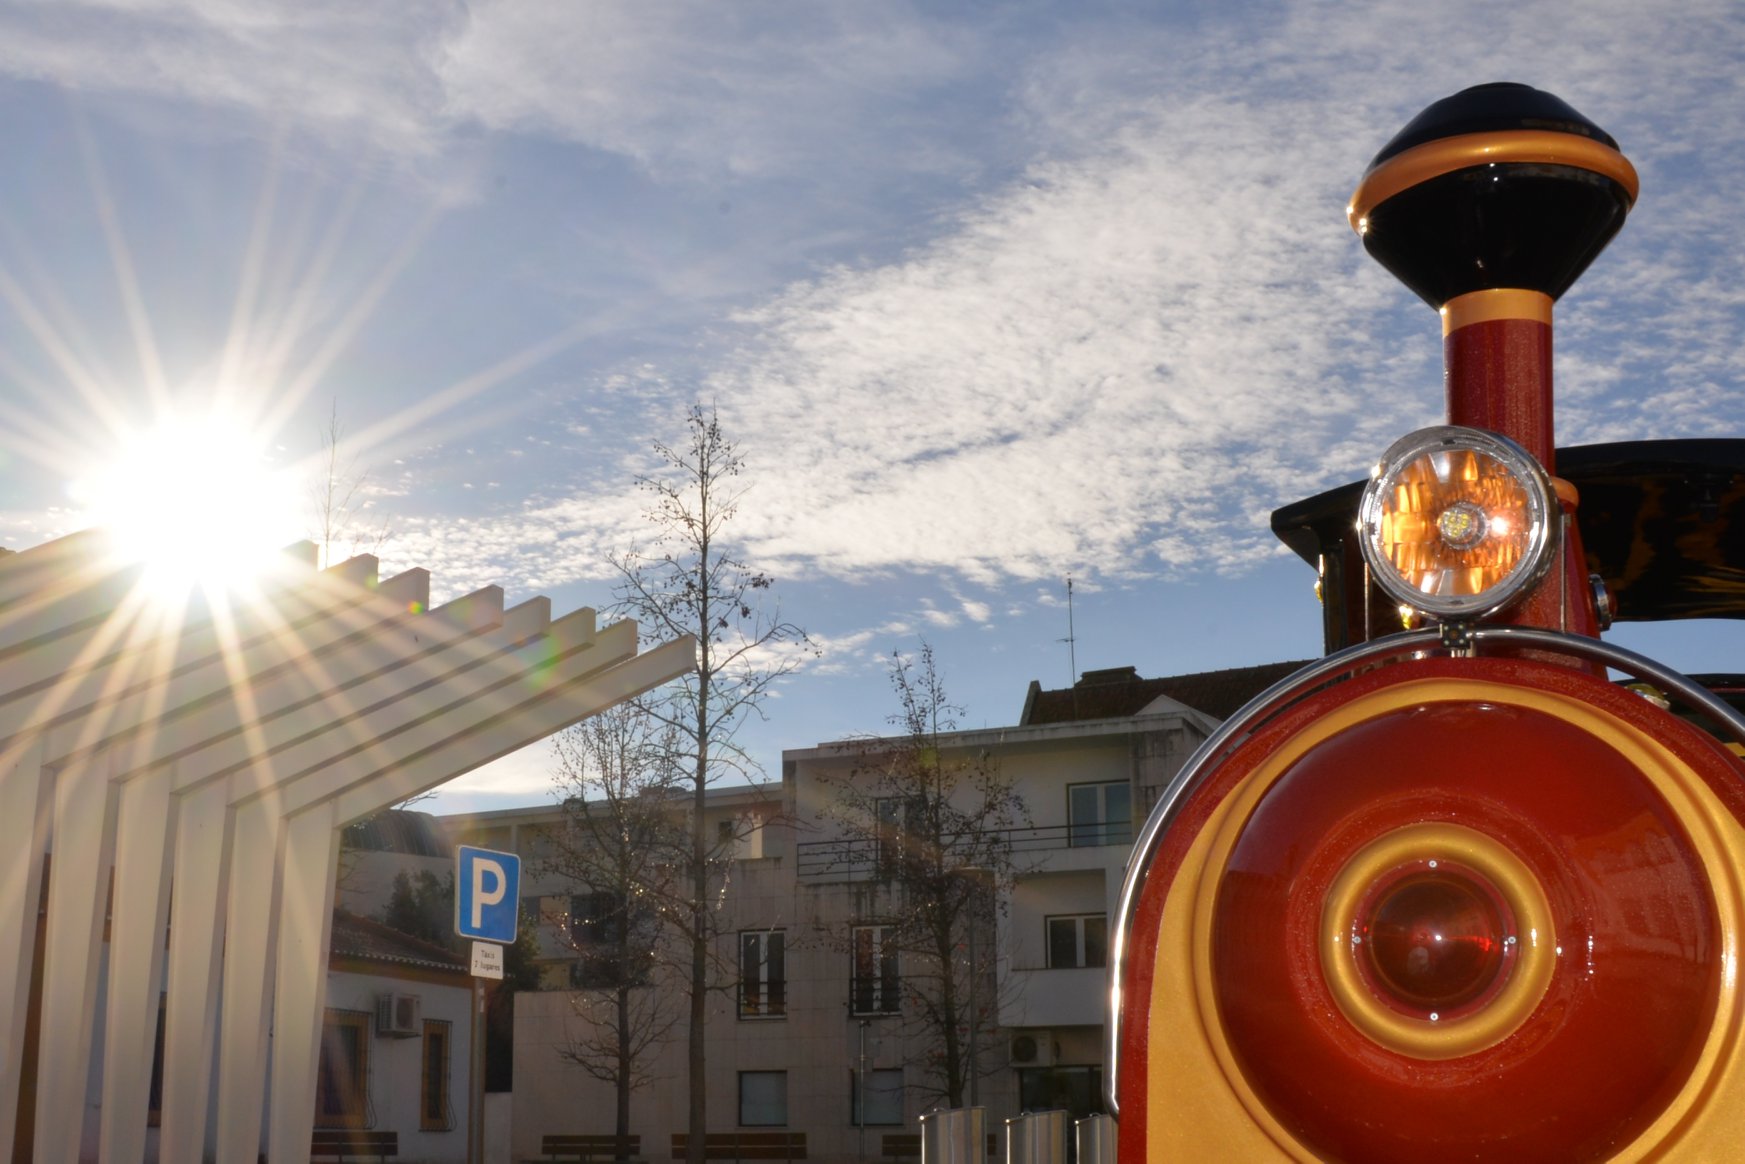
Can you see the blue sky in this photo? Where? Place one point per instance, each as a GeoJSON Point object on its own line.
{"type": "Point", "coordinates": [987, 293]}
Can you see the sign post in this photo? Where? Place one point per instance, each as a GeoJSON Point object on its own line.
{"type": "Point", "coordinates": [487, 909]}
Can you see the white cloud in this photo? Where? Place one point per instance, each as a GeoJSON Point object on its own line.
{"type": "Point", "coordinates": [1117, 344]}
{"type": "Point", "coordinates": [1113, 364]}
{"type": "Point", "coordinates": [1124, 360]}
{"type": "Point", "coordinates": [745, 88]}
{"type": "Point", "coordinates": [1120, 362]}
{"type": "Point", "coordinates": [688, 88]}
{"type": "Point", "coordinates": [519, 777]}
{"type": "Point", "coordinates": [328, 66]}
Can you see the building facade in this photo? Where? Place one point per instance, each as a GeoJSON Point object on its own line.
{"type": "Point", "coordinates": [817, 1027]}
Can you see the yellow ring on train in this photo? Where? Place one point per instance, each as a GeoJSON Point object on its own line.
{"type": "Point", "coordinates": [1464, 151]}
{"type": "Point", "coordinates": [1534, 957]}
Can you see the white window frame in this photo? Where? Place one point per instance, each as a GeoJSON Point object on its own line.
{"type": "Point", "coordinates": [1099, 829]}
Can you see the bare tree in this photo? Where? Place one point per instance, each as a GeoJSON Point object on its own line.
{"type": "Point", "coordinates": [689, 582]}
{"type": "Point", "coordinates": [933, 824]}
{"type": "Point", "coordinates": [338, 497]}
{"type": "Point", "coordinates": [622, 841]}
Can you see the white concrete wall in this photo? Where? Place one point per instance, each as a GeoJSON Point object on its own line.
{"type": "Point", "coordinates": [499, 1124]}
{"type": "Point", "coordinates": [396, 1064]}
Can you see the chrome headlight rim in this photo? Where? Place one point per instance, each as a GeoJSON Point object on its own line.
{"type": "Point", "coordinates": [1544, 520]}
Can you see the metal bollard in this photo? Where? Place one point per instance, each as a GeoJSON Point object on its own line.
{"type": "Point", "coordinates": [954, 1136]}
{"type": "Point", "coordinates": [1096, 1139]}
{"type": "Point", "coordinates": [1037, 1137]}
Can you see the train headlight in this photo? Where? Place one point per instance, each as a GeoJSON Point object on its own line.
{"type": "Point", "coordinates": [1457, 522]}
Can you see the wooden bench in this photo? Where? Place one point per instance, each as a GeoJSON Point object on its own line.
{"type": "Point", "coordinates": [350, 1143]}
{"type": "Point", "coordinates": [745, 1145]}
{"type": "Point", "coordinates": [590, 1147]}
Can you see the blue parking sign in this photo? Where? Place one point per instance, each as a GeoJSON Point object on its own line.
{"type": "Point", "coordinates": [487, 894]}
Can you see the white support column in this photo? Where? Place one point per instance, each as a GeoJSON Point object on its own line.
{"type": "Point", "coordinates": [24, 825]}
{"type": "Point", "coordinates": [234, 744]}
{"type": "Point", "coordinates": [144, 839]}
{"type": "Point", "coordinates": [248, 962]}
{"type": "Point", "coordinates": [78, 890]}
{"type": "Point", "coordinates": [305, 928]}
{"type": "Point", "coordinates": [198, 881]}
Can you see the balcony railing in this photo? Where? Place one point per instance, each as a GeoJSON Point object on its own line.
{"type": "Point", "coordinates": [856, 857]}
{"type": "Point", "coordinates": [761, 1000]}
{"type": "Point", "coordinates": [875, 995]}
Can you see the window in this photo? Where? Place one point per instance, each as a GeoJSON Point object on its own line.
{"type": "Point", "coordinates": [1099, 814]}
{"type": "Point", "coordinates": [596, 919]}
{"type": "Point", "coordinates": [882, 1097]}
{"type": "Point", "coordinates": [1079, 940]}
{"type": "Point", "coordinates": [1078, 1091]}
{"type": "Point", "coordinates": [342, 1079]}
{"type": "Point", "coordinates": [434, 1111]}
{"type": "Point", "coordinates": [763, 984]}
{"type": "Point", "coordinates": [597, 923]}
{"type": "Point", "coordinates": [742, 837]}
{"type": "Point", "coordinates": [873, 983]}
{"type": "Point", "coordinates": [895, 816]}
{"type": "Point", "coordinates": [763, 1099]}
{"type": "Point", "coordinates": [596, 931]}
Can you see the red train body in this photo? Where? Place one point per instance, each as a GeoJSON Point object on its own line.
{"type": "Point", "coordinates": [1472, 887]}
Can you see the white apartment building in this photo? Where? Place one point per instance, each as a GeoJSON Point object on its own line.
{"type": "Point", "coordinates": [811, 1033]}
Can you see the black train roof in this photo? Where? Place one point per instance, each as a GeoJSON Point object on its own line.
{"type": "Point", "coordinates": [1663, 522]}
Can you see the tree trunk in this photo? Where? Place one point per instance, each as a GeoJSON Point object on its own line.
{"type": "Point", "coordinates": [948, 1006]}
{"type": "Point", "coordinates": [697, 1060]}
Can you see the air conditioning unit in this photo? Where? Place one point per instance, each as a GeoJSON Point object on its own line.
{"type": "Point", "coordinates": [1033, 1049]}
{"type": "Point", "coordinates": [399, 1016]}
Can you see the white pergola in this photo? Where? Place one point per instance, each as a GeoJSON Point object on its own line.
{"type": "Point", "coordinates": [191, 772]}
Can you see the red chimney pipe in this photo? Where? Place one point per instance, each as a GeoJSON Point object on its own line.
{"type": "Point", "coordinates": [1490, 204]}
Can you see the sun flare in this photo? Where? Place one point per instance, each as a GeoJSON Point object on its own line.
{"type": "Point", "coordinates": [198, 501]}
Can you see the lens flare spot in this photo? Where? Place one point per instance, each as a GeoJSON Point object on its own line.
{"type": "Point", "coordinates": [197, 501]}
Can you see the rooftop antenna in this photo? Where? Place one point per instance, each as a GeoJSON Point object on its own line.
{"type": "Point", "coordinates": [1071, 650]}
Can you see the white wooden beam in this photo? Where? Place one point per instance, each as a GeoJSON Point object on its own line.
{"type": "Point", "coordinates": [232, 743]}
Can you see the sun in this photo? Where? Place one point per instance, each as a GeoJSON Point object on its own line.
{"type": "Point", "coordinates": [197, 500]}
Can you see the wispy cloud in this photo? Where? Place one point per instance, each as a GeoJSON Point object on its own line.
{"type": "Point", "coordinates": [359, 71]}
{"type": "Point", "coordinates": [1122, 361]}
{"type": "Point", "coordinates": [1115, 356]}
{"type": "Point", "coordinates": [691, 89]}
{"type": "Point", "coordinates": [744, 89]}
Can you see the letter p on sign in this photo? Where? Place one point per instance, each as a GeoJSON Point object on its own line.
{"type": "Point", "coordinates": [487, 894]}
{"type": "Point", "coordinates": [486, 872]}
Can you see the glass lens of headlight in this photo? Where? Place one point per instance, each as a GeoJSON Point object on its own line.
{"type": "Point", "coordinates": [1457, 522]}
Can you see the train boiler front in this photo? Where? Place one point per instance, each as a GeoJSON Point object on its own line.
{"type": "Point", "coordinates": [1452, 893]}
